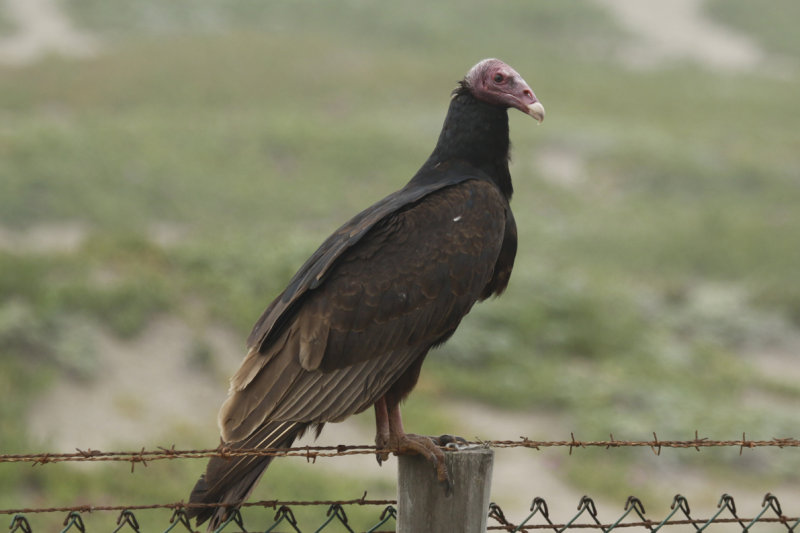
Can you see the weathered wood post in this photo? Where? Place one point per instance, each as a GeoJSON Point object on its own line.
{"type": "Point", "coordinates": [423, 507]}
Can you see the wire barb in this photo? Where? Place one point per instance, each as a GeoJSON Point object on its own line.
{"type": "Point", "coordinates": [771, 511]}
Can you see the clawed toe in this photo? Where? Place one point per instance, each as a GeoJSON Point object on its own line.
{"type": "Point", "coordinates": [428, 448]}
{"type": "Point", "coordinates": [448, 487]}
{"type": "Point", "coordinates": [380, 445]}
{"type": "Point", "coordinates": [420, 444]}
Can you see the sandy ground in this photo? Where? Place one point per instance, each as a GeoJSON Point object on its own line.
{"type": "Point", "coordinates": [679, 30]}
{"type": "Point", "coordinates": [145, 391]}
{"type": "Point", "coordinates": [42, 29]}
{"type": "Point", "coordinates": [66, 237]}
{"type": "Point", "coordinates": [663, 33]}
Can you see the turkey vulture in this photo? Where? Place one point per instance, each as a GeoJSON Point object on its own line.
{"type": "Point", "coordinates": [353, 326]}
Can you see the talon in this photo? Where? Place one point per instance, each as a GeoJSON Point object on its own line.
{"type": "Point", "coordinates": [448, 487]}
{"type": "Point", "coordinates": [381, 456]}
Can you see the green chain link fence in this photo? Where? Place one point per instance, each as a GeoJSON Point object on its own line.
{"type": "Point", "coordinates": [633, 517]}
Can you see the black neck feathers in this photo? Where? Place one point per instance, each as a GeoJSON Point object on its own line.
{"type": "Point", "coordinates": [475, 132]}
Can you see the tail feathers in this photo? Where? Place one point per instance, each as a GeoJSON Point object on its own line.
{"type": "Point", "coordinates": [230, 481]}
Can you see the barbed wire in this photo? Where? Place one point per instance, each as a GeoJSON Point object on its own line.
{"type": "Point", "coordinates": [633, 516]}
{"type": "Point", "coordinates": [336, 514]}
{"type": "Point", "coordinates": [311, 453]}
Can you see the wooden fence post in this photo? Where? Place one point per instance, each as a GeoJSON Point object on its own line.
{"type": "Point", "coordinates": [423, 507]}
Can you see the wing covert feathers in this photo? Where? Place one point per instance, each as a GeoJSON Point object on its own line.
{"type": "Point", "coordinates": [355, 326]}
{"type": "Point", "coordinates": [402, 289]}
{"type": "Point", "coordinates": [314, 271]}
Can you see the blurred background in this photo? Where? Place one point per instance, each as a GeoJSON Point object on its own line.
{"type": "Point", "coordinates": [165, 167]}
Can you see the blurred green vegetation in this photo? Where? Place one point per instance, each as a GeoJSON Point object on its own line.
{"type": "Point", "coordinates": [645, 286]}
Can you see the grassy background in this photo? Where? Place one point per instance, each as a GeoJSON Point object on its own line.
{"type": "Point", "coordinates": [646, 289]}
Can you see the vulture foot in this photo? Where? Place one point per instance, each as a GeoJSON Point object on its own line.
{"type": "Point", "coordinates": [428, 448]}
{"type": "Point", "coordinates": [382, 443]}
{"type": "Point", "coordinates": [390, 435]}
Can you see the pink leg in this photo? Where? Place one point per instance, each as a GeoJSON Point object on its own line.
{"type": "Point", "coordinates": [382, 430]}
{"type": "Point", "coordinates": [390, 434]}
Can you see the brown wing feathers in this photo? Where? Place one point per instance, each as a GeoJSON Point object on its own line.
{"type": "Point", "coordinates": [335, 350]}
{"type": "Point", "coordinates": [386, 301]}
{"type": "Point", "coordinates": [231, 480]}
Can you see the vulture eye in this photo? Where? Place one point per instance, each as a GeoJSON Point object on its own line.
{"type": "Point", "coordinates": [498, 77]}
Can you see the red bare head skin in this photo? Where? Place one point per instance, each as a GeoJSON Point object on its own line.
{"type": "Point", "coordinates": [496, 83]}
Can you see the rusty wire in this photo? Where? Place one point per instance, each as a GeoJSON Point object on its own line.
{"type": "Point", "coordinates": [633, 517]}
{"type": "Point", "coordinates": [311, 453]}
{"type": "Point", "coordinates": [771, 511]}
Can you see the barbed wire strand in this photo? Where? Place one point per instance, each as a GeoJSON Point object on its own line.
{"type": "Point", "coordinates": [311, 453]}
{"type": "Point", "coordinates": [335, 512]}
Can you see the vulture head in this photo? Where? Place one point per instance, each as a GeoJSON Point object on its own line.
{"type": "Point", "coordinates": [496, 83]}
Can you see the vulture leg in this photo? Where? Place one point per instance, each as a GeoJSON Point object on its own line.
{"type": "Point", "coordinates": [390, 434]}
{"type": "Point", "coordinates": [382, 433]}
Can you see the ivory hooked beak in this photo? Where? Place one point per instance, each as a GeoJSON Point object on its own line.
{"type": "Point", "coordinates": [536, 110]}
